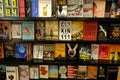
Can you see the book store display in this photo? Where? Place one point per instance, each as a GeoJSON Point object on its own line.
{"type": "Point", "coordinates": [59, 39]}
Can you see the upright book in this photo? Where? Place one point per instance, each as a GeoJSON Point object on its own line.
{"type": "Point", "coordinates": [29, 51]}
{"type": "Point", "coordinates": [92, 72]}
{"type": "Point", "coordinates": [28, 10]}
{"type": "Point", "coordinates": [53, 71]}
{"type": "Point", "coordinates": [34, 6]}
{"type": "Point", "coordinates": [2, 72]}
{"type": "Point", "coordinates": [82, 72]}
{"type": "Point", "coordinates": [1, 51]}
{"type": "Point", "coordinates": [34, 72]}
{"type": "Point", "coordinates": [1, 8]}
{"type": "Point", "coordinates": [21, 8]}
{"type": "Point", "coordinates": [62, 71]}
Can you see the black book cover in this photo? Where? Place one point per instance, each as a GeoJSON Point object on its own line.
{"type": "Point", "coordinates": [28, 8]}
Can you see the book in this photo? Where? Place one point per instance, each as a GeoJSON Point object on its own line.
{"type": "Point", "coordinates": [48, 52]}
{"type": "Point", "coordinates": [2, 72]}
{"type": "Point", "coordinates": [65, 30]}
{"type": "Point", "coordinates": [75, 8]}
{"type": "Point", "coordinates": [82, 72]}
{"type": "Point", "coordinates": [45, 8]}
{"type": "Point", "coordinates": [62, 10]}
{"type": "Point", "coordinates": [51, 30]}
{"type": "Point", "coordinates": [90, 30]}
{"type": "Point", "coordinates": [118, 75]}
{"type": "Point", "coordinates": [21, 8]}
{"type": "Point", "coordinates": [99, 8]}
{"type": "Point", "coordinates": [92, 72]}
{"type": "Point", "coordinates": [1, 51]}
{"type": "Point", "coordinates": [27, 30]}
{"type": "Point", "coordinates": [11, 8]}
{"type": "Point", "coordinates": [5, 30]}
{"type": "Point", "coordinates": [29, 51]}
{"type": "Point", "coordinates": [53, 71]}
{"type": "Point", "coordinates": [62, 71]}
{"type": "Point", "coordinates": [16, 30]}
{"type": "Point", "coordinates": [87, 8]}
{"type": "Point", "coordinates": [34, 6]}
{"type": "Point", "coordinates": [28, 10]}
{"type": "Point", "coordinates": [44, 71]}
{"type": "Point", "coordinates": [77, 30]}
{"type": "Point", "coordinates": [61, 2]}
{"type": "Point", "coordinates": [34, 72]}
{"type": "Point", "coordinates": [1, 8]}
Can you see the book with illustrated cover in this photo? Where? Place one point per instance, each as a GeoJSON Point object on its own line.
{"type": "Point", "coordinates": [1, 8]}
{"type": "Point", "coordinates": [39, 30]}
{"type": "Point", "coordinates": [34, 5]}
{"type": "Point", "coordinates": [21, 8]}
{"type": "Point", "coordinates": [92, 72]}
{"type": "Point", "coordinates": [90, 30]}
{"type": "Point", "coordinates": [51, 30]}
{"type": "Point", "coordinates": [28, 11]}
{"type": "Point", "coordinates": [1, 51]}
{"type": "Point", "coordinates": [2, 72]}
{"type": "Point", "coordinates": [16, 30]}
{"type": "Point", "coordinates": [11, 8]}
{"type": "Point", "coordinates": [75, 8]}
{"type": "Point", "coordinates": [45, 8]}
{"type": "Point", "coordinates": [27, 30]}
{"type": "Point", "coordinates": [82, 72]}
{"type": "Point", "coordinates": [62, 10]}
{"type": "Point", "coordinates": [62, 71]}
{"type": "Point", "coordinates": [77, 30]}
{"type": "Point", "coordinates": [29, 51]}
{"type": "Point", "coordinates": [53, 71]}
{"type": "Point", "coordinates": [44, 71]}
{"type": "Point", "coordinates": [48, 52]}
{"type": "Point", "coordinates": [87, 8]}
{"type": "Point", "coordinates": [60, 2]}
{"type": "Point", "coordinates": [34, 72]}
{"type": "Point", "coordinates": [65, 30]}
{"type": "Point", "coordinates": [60, 51]}
{"type": "Point", "coordinates": [5, 30]}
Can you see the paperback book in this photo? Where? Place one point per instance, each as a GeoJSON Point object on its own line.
{"type": "Point", "coordinates": [2, 72]}
{"type": "Point", "coordinates": [53, 71]}
{"type": "Point", "coordinates": [34, 5]}
{"type": "Point", "coordinates": [82, 72]}
{"type": "Point", "coordinates": [1, 8]}
{"type": "Point", "coordinates": [28, 10]}
{"type": "Point", "coordinates": [34, 72]}
{"type": "Point", "coordinates": [62, 71]}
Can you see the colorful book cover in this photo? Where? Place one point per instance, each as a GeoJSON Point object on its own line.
{"type": "Point", "coordinates": [53, 71]}
{"type": "Point", "coordinates": [72, 51]}
{"type": "Point", "coordinates": [62, 71]}
{"type": "Point", "coordinates": [87, 8]}
{"type": "Point", "coordinates": [24, 73]}
{"type": "Point", "coordinates": [62, 10]}
{"type": "Point", "coordinates": [45, 8]}
{"type": "Point", "coordinates": [65, 30]}
{"type": "Point", "coordinates": [2, 72]}
{"type": "Point", "coordinates": [34, 4]}
{"type": "Point", "coordinates": [99, 8]}
{"type": "Point", "coordinates": [118, 75]}
{"type": "Point", "coordinates": [5, 30]}
{"type": "Point", "coordinates": [27, 30]}
{"type": "Point", "coordinates": [1, 9]}
{"type": "Point", "coordinates": [51, 30]}
{"type": "Point", "coordinates": [20, 50]}
{"type": "Point", "coordinates": [34, 72]}
{"type": "Point", "coordinates": [77, 30]}
{"type": "Point", "coordinates": [29, 51]}
{"type": "Point", "coordinates": [92, 72]}
{"type": "Point", "coordinates": [39, 30]}
{"type": "Point", "coordinates": [90, 30]}
{"type": "Point", "coordinates": [28, 11]}
{"type": "Point", "coordinates": [11, 8]}
{"type": "Point", "coordinates": [82, 72]}
{"type": "Point", "coordinates": [44, 70]}
{"type": "Point", "coordinates": [48, 51]}
{"type": "Point", "coordinates": [16, 29]}
{"type": "Point", "coordinates": [21, 8]}
{"type": "Point", "coordinates": [1, 51]}
{"type": "Point", "coordinates": [75, 8]}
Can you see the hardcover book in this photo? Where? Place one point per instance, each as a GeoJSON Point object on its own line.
{"type": "Point", "coordinates": [82, 72]}
{"type": "Point", "coordinates": [28, 11]}
{"type": "Point", "coordinates": [29, 51]}
{"type": "Point", "coordinates": [27, 30]}
{"type": "Point", "coordinates": [2, 72]}
{"type": "Point", "coordinates": [62, 71]}
{"type": "Point", "coordinates": [34, 5]}
{"type": "Point", "coordinates": [92, 72]}
{"type": "Point", "coordinates": [11, 8]}
{"type": "Point", "coordinates": [51, 30]}
{"type": "Point", "coordinates": [53, 71]}
{"type": "Point", "coordinates": [21, 8]}
{"type": "Point", "coordinates": [1, 8]}
{"type": "Point", "coordinates": [65, 30]}
{"type": "Point", "coordinates": [34, 72]}
{"type": "Point", "coordinates": [45, 8]}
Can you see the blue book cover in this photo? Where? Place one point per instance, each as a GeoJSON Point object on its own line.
{"type": "Point", "coordinates": [11, 8]}
{"type": "Point", "coordinates": [34, 8]}
{"type": "Point", "coordinates": [27, 30]}
{"type": "Point", "coordinates": [20, 50]}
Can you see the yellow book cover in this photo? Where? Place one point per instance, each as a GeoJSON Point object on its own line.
{"type": "Point", "coordinates": [118, 76]}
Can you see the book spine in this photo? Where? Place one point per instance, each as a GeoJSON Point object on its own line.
{"type": "Point", "coordinates": [22, 8]}
{"type": "Point", "coordinates": [1, 8]}
{"type": "Point", "coordinates": [28, 8]}
{"type": "Point", "coordinates": [34, 8]}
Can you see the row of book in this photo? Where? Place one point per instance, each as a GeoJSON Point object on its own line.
{"type": "Point", "coordinates": [59, 30]}
{"type": "Point", "coordinates": [60, 8]}
{"type": "Point", "coordinates": [74, 72]}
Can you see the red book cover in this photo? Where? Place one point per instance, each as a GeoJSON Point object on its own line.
{"type": "Point", "coordinates": [1, 50]}
{"type": "Point", "coordinates": [22, 8]}
{"type": "Point", "coordinates": [90, 30]}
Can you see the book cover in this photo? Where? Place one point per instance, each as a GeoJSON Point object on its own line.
{"type": "Point", "coordinates": [65, 30]}
{"type": "Point", "coordinates": [48, 51]}
{"type": "Point", "coordinates": [11, 8]}
{"type": "Point", "coordinates": [61, 2]}
{"type": "Point", "coordinates": [27, 30]}
{"type": "Point", "coordinates": [34, 72]}
{"type": "Point", "coordinates": [87, 8]}
{"type": "Point", "coordinates": [53, 71]}
{"type": "Point", "coordinates": [5, 30]}
{"type": "Point", "coordinates": [92, 72]}
{"type": "Point", "coordinates": [51, 30]}
{"type": "Point", "coordinates": [77, 30]}
{"type": "Point", "coordinates": [34, 5]}
{"type": "Point", "coordinates": [82, 72]}
{"type": "Point", "coordinates": [39, 30]}
{"type": "Point", "coordinates": [62, 71]}
{"type": "Point", "coordinates": [2, 72]}
{"type": "Point", "coordinates": [71, 51]}
{"type": "Point", "coordinates": [45, 8]}
{"type": "Point", "coordinates": [75, 8]}
{"type": "Point", "coordinates": [44, 70]}
{"type": "Point", "coordinates": [1, 8]}
{"type": "Point", "coordinates": [1, 51]}
{"type": "Point", "coordinates": [118, 75]}
{"type": "Point", "coordinates": [20, 50]}
{"type": "Point", "coordinates": [28, 11]}
{"type": "Point", "coordinates": [21, 8]}
{"type": "Point", "coordinates": [24, 73]}
{"type": "Point", "coordinates": [62, 10]}
{"type": "Point", "coordinates": [60, 51]}
{"type": "Point", "coordinates": [29, 51]}
{"type": "Point", "coordinates": [99, 8]}
{"type": "Point", "coordinates": [16, 30]}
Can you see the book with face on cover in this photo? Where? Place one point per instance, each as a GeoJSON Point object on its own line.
{"type": "Point", "coordinates": [62, 71]}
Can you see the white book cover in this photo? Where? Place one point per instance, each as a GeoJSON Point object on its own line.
{"type": "Point", "coordinates": [45, 8]}
{"type": "Point", "coordinates": [34, 72]}
{"type": "Point", "coordinates": [1, 8]}
{"type": "Point", "coordinates": [94, 51]}
{"type": "Point", "coordinates": [44, 71]}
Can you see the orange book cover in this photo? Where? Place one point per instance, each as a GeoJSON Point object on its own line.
{"type": "Point", "coordinates": [118, 75]}
{"type": "Point", "coordinates": [92, 72]}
